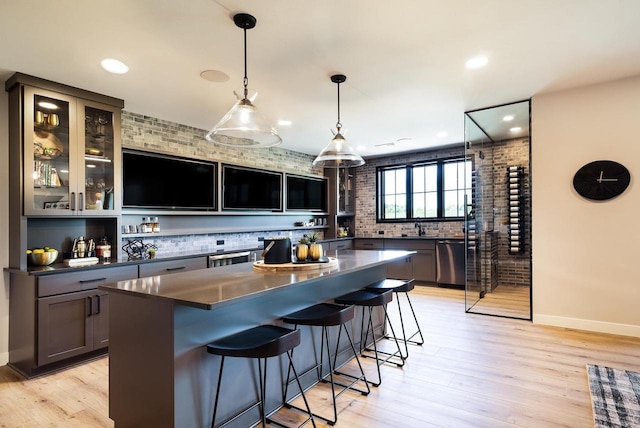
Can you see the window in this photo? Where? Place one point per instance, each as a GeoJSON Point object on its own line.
{"type": "Point", "coordinates": [431, 190]}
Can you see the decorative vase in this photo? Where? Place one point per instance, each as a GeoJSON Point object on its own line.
{"type": "Point", "coordinates": [302, 252]}
{"type": "Point", "coordinates": [315, 251]}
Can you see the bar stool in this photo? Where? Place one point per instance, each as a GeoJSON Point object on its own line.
{"type": "Point", "coordinates": [259, 342]}
{"type": "Point", "coordinates": [326, 315]}
{"type": "Point", "coordinates": [370, 299]}
{"type": "Point", "coordinates": [398, 286]}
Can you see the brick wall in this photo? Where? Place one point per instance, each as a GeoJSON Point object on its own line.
{"type": "Point", "coordinates": [148, 133]}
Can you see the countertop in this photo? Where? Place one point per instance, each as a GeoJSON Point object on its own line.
{"type": "Point", "coordinates": [209, 288]}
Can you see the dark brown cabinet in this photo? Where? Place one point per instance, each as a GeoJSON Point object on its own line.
{"type": "Point", "coordinates": [72, 324]}
{"type": "Point", "coordinates": [421, 266]}
{"type": "Point", "coordinates": [60, 318]}
{"type": "Point", "coordinates": [342, 202]}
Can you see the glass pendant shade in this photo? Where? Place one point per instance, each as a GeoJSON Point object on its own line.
{"type": "Point", "coordinates": [243, 126]}
{"type": "Point", "coordinates": [338, 154]}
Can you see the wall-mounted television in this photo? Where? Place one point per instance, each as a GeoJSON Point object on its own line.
{"type": "Point", "coordinates": [167, 182]}
{"type": "Point", "coordinates": [306, 193]}
{"type": "Point", "coordinates": [251, 189]}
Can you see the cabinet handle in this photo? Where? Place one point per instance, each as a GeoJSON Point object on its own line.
{"type": "Point", "coordinates": [89, 305]}
{"type": "Point", "coordinates": [98, 305]}
{"type": "Point", "coordinates": [175, 268]}
{"type": "Point", "coordinates": [81, 204]}
{"type": "Point", "coordinates": [73, 201]}
{"type": "Point", "coordinates": [84, 281]}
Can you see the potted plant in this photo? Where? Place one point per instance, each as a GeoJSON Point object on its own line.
{"type": "Point", "coordinates": [152, 253]}
{"type": "Point", "coordinates": [302, 249]}
{"type": "Point", "coordinates": [315, 249]}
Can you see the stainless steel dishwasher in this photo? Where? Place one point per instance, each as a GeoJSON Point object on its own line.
{"type": "Point", "coordinates": [450, 262]}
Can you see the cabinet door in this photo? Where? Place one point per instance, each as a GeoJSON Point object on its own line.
{"type": "Point", "coordinates": [64, 326]}
{"type": "Point", "coordinates": [49, 121]}
{"type": "Point", "coordinates": [100, 319]}
{"type": "Point", "coordinates": [400, 269]}
{"type": "Point", "coordinates": [424, 266]}
{"type": "Point", "coordinates": [99, 149]}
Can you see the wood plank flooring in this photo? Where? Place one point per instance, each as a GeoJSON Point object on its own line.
{"type": "Point", "coordinates": [473, 371]}
{"type": "Point", "coordinates": [505, 301]}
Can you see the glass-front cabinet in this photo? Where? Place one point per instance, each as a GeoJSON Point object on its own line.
{"type": "Point", "coordinates": [71, 151]}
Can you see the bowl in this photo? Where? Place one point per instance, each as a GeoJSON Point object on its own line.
{"type": "Point", "coordinates": [42, 259]}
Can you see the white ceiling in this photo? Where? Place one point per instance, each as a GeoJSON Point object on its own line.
{"type": "Point", "coordinates": [404, 59]}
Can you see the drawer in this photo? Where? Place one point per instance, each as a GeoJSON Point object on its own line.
{"type": "Point", "coordinates": [171, 266]}
{"type": "Point", "coordinates": [69, 282]}
{"type": "Point", "coordinates": [369, 244]}
{"type": "Point", "coordinates": [341, 245]}
{"type": "Point", "coordinates": [410, 244]}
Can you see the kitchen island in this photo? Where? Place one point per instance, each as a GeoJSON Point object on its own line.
{"type": "Point", "coordinates": [160, 374]}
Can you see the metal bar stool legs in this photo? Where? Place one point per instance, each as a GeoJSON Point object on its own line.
{"type": "Point", "coordinates": [370, 299]}
{"type": "Point", "coordinates": [325, 315]}
{"type": "Point", "coordinates": [258, 343]}
{"type": "Point", "coordinates": [400, 286]}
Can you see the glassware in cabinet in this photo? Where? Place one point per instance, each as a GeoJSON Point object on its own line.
{"type": "Point", "coordinates": [71, 149]}
{"type": "Point", "coordinates": [101, 130]}
{"type": "Point", "coordinates": [49, 129]}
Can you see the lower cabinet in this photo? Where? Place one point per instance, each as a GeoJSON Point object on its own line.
{"type": "Point", "coordinates": [346, 244]}
{"type": "Point", "coordinates": [401, 269]}
{"type": "Point", "coordinates": [59, 318]}
{"type": "Point", "coordinates": [72, 324]}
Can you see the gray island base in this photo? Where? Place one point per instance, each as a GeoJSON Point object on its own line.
{"type": "Point", "coordinates": [160, 374]}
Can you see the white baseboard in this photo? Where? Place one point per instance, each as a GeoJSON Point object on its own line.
{"type": "Point", "coordinates": [4, 358]}
{"type": "Point", "coordinates": [588, 325]}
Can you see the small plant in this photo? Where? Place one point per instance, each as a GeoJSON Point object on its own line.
{"type": "Point", "coordinates": [313, 237]}
{"type": "Point", "coordinates": [304, 240]}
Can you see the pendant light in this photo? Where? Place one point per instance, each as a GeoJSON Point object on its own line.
{"type": "Point", "coordinates": [338, 153]}
{"type": "Point", "coordinates": [243, 126]}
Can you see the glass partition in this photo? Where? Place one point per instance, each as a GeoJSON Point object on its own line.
{"type": "Point", "coordinates": [498, 214]}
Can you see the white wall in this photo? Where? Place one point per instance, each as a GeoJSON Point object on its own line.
{"type": "Point", "coordinates": [585, 253]}
{"type": "Point", "coordinates": [4, 227]}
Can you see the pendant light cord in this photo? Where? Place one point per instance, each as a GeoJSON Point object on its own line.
{"type": "Point", "coordinates": [246, 79]}
{"type": "Point", "coordinates": [338, 125]}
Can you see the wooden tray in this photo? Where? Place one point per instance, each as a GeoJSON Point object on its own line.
{"type": "Point", "coordinates": [260, 266]}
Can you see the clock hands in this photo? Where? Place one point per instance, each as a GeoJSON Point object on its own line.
{"type": "Point", "coordinates": [600, 179]}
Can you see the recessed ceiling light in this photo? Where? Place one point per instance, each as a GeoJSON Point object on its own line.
{"type": "Point", "coordinates": [284, 123]}
{"type": "Point", "coordinates": [477, 62]}
{"type": "Point", "coordinates": [515, 129]}
{"type": "Point", "coordinates": [442, 134]}
{"type": "Point", "coordinates": [508, 118]}
{"type": "Point", "coordinates": [114, 66]}
{"type": "Point", "coordinates": [214, 76]}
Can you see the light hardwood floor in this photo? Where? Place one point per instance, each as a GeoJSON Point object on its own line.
{"type": "Point", "coordinates": [473, 371]}
{"type": "Point", "coordinates": [504, 301]}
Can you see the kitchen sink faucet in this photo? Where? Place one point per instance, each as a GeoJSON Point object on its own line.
{"type": "Point", "coordinates": [421, 231]}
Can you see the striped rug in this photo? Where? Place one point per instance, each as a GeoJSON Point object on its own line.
{"type": "Point", "coordinates": [615, 396]}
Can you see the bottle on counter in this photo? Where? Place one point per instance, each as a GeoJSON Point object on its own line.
{"type": "Point", "coordinates": [156, 225]}
{"type": "Point", "coordinates": [103, 250]}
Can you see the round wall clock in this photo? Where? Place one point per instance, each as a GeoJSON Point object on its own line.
{"type": "Point", "coordinates": [601, 180]}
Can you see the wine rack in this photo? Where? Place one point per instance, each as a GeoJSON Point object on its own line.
{"type": "Point", "coordinates": [515, 188]}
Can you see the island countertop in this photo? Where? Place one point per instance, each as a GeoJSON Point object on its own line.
{"type": "Point", "coordinates": [212, 288]}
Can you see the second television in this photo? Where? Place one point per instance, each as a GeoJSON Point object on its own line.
{"type": "Point", "coordinates": [251, 189]}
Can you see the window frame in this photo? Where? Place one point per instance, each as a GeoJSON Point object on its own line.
{"type": "Point", "coordinates": [409, 189]}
